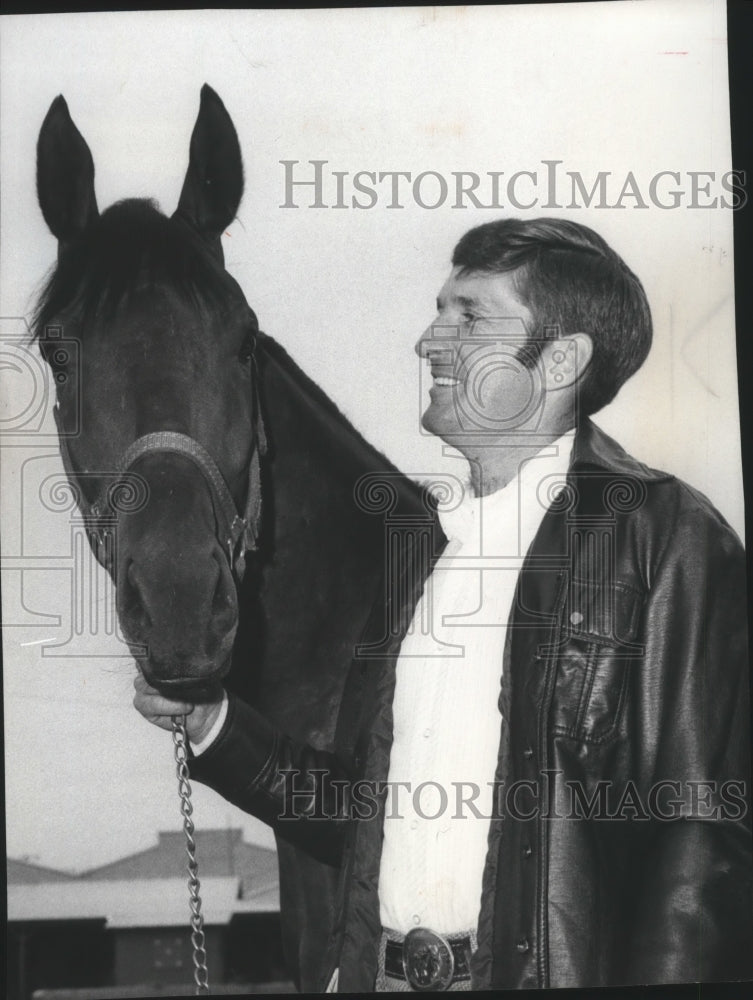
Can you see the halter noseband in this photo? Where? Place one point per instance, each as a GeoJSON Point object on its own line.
{"type": "Point", "coordinates": [236, 533]}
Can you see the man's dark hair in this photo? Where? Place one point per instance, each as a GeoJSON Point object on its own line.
{"type": "Point", "coordinates": [570, 279]}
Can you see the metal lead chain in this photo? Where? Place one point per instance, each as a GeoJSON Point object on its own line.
{"type": "Point", "coordinates": [200, 974]}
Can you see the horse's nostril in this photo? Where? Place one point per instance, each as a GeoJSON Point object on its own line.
{"type": "Point", "coordinates": [223, 596]}
{"type": "Point", "coordinates": [131, 601]}
{"type": "Point", "coordinates": [224, 599]}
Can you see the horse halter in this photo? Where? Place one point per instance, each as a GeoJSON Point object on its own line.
{"type": "Point", "coordinates": [237, 533]}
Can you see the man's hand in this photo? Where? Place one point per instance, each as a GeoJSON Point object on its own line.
{"type": "Point", "coordinates": [159, 710]}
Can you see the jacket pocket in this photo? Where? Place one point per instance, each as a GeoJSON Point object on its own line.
{"type": "Point", "coordinates": [595, 652]}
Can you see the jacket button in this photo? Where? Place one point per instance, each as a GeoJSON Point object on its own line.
{"type": "Point", "coordinates": [527, 851]}
{"type": "Point", "coordinates": [576, 617]}
{"type": "Point", "coordinates": [522, 946]}
{"type": "Point", "coordinates": [528, 753]}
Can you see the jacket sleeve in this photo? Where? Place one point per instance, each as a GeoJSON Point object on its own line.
{"type": "Point", "coordinates": [692, 882]}
{"type": "Point", "coordinates": [301, 792]}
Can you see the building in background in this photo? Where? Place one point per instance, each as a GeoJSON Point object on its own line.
{"type": "Point", "coordinates": [125, 924]}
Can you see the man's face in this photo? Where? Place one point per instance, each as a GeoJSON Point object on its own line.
{"type": "Point", "coordinates": [480, 391]}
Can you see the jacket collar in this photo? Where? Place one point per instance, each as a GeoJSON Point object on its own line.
{"type": "Point", "coordinates": [595, 448]}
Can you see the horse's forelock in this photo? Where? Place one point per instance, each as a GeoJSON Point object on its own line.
{"type": "Point", "coordinates": [131, 245]}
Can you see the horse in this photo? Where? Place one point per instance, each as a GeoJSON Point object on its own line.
{"type": "Point", "coordinates": [240, 515]}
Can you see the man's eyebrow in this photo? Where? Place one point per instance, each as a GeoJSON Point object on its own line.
{"type": "Point", "coordinates": [469, 302]}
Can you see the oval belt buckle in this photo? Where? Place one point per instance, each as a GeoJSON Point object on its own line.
{"type": "Point", "coordinates": [428, 961]}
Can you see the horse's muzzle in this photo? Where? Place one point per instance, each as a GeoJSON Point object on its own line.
{"type": "Point", "coordinates": [189, 687]}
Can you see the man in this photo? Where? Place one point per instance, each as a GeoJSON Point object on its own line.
{"type": "Point", "coordinates": [590, 824]}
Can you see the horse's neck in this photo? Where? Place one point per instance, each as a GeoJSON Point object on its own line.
{"type": "Point", "coordinates": [318, 455]}
{"type": "Point", "coordinates": [322, 566]}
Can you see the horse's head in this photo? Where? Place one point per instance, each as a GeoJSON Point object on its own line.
{"type": "Point", "coordinates": [160, 407]}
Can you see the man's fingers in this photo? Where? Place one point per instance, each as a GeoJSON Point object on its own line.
{"type": "Point", "coordinates": [158, 709]}
{"type": "Point", "coordinates": [161, 706]}
{"type": "Point", "coordinates": [156, 704]}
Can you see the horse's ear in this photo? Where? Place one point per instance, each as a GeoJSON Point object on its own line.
{"type": "Point", "coordinates": [65, 175]}
{"type": "Point", "coordinates": [213, 186]}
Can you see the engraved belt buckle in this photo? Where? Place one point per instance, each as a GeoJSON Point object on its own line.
{"type": "Point", "coordinates": [428, 961]}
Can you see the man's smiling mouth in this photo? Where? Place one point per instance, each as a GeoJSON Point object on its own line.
{"type": "Point", "coordinates": [442, 376]}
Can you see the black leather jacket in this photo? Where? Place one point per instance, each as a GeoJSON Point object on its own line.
{"type": "Point", "coordinates": [622, 848]}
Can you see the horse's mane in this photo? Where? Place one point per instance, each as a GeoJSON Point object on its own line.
{"type": "Point", "coordinates": [132, 244]}
{"type": "Point", "coordinates": [344, 441]}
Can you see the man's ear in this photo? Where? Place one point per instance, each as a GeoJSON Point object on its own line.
{"type": "Point", "coordinates": [65, 175]}
{"type": "Point", "coordinates": [213, 186]}
{"type": "Point", "coordinates": [566, 360]}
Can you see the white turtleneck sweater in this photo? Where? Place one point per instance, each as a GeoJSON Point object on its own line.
{"type": "Point", "coordinates": [446, 720]}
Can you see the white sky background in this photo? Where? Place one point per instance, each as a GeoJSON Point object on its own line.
{"type": "Point", "coordinates": [614, 87]}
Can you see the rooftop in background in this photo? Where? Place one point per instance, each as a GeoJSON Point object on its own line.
{"type": "Point", "coordinates": [219, 852]}
{"type": "Point", "coordinates": [145, 888]}
{"type": "Point", "coordinates": [28, 873]}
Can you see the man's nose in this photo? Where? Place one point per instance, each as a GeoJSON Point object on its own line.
{"type": "Point", "coordinates": [438, 344]}
{"type": "Point", "coordinates": [424, 342]}
{"type": "Point", "coordinates": [437, 338]}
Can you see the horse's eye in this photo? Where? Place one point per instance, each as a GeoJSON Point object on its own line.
{"type": "Point", "coordinates": [246, 352]}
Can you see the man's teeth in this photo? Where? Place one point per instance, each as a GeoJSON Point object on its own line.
{"type": "Point", "coordinates": [445, 380]}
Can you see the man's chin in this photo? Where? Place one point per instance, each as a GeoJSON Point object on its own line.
{"type": "Point", "coordinates": [434, 423]}
{"type": "Point", "coordinates": [449, 436]}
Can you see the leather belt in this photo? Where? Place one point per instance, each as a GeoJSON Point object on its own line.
{"type": "Point", "coordinates": [427, 960]}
